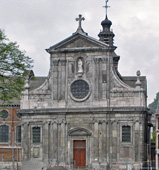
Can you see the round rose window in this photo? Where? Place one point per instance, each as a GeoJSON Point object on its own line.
{"type": "Point", "coordinates": [79, 89]}
{"type": "Point", "coordinates": [4, 114]}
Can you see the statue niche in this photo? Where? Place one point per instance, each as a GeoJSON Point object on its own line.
{"type": "Point", "coordinates": [80, 65]}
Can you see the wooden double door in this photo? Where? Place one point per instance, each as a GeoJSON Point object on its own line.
{"type": "Point", "coordinates": [79, 153]}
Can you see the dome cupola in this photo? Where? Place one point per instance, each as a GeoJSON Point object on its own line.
{"type": "Point", "coordinates": [106, 35]}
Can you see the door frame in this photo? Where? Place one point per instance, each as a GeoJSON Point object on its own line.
{"type": "Point", "coordinates": [78, 133]}
{"type": "Point", "coordinates": [70, 148]}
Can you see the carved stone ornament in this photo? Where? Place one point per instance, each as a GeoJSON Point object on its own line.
{"type": "Point", "coordinates": [79, 132]}
{"type": "Point", "coordinates": [63, 62]}
{"type": "Point", "coordinates": [80, 66]}
{"type": "Point", "coordinates": [56, 62]}
{"type": "Point", "coordinates": [102, 60]}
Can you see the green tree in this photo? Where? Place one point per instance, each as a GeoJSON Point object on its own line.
{"type": "Point", "coordinates": [153, 105]}
{"type": "Point", "coordinates": [13, 68]}
{"type": "Point", "coordinates": [153, 136]}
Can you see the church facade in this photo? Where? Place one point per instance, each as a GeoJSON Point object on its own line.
{"type": "Point", "coordinates": [85, 113]}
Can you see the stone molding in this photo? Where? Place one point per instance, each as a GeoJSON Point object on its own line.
{"type": "Point", "coordinates": [79, 132]}
{"type": "Point", "coordinates": [98, 60]}
{"type": "Point", "coordinates": [64, 111]}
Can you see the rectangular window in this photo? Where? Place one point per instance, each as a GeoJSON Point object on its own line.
{"type": "Point", "coordinates": [126, 134]}
{"type": "Point", "coordinates": [36, 134]}
{"type": "Point", "coordinates": [18, 134]}
{"type": "Point", "coordinates": [4, 133]}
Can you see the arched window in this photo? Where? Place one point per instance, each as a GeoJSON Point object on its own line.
{"type": "Point", "coordinates": [4, 133]}
{"type": "Point", "coordinates": [18, 134]}
{"type": "Point", "coordinates": [36, 134]}
{"type": "Point", "coordinates": [126, 133]}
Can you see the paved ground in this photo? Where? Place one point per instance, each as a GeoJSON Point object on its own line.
{"type": "Point", "coordinates": [55, 168]}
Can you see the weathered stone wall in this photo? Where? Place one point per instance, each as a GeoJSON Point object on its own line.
{"type": "Point", "coordinates": [104, 142]}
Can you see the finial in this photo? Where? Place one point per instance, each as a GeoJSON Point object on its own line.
{"type": "Point", "coordinates": [106, 6]}
{"type": "Point", "coordinates": [138, 73]}
{"type": "Point", "coordinates": [80, 19]}
{"type": "Point", "coordinates": [138, 82]}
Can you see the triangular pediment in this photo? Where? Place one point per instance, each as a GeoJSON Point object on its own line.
{"type": "Point", "coordinates": [78, 41]}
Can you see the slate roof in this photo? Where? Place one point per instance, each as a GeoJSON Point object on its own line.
{"type": "Point", "coordinates": [131, 80]}
{"type": "Point", "coordinates": [14, 102]}
{"type": "Point", "coordinates": [36, 82]}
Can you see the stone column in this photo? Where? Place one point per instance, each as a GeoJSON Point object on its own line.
{"type": "Point", "coordinates": [62, 145]}
{"type": "Point", "coordinates": [111, 140]}
{"type": "Point", "coordinates": [96, 142]}
{"type": "Point", "coordinates": [59, 149]}
{"type": "Point", "coordinates": [51, 144]}
{"type": "Point", "coordinates": [88, 150]}
{"type": "Point", "coordinates": [66, 144]}
{"type": "Point", "coordinates": [100, 141]}
{"type": "Point", "coordinates": [96, 80]}
{"type": "Point", "coordinates": [45, 141]}
{"type": "Point", "coordinates": [108, 141]}
{"type": "Point", "coordinates": [55, 79]}
{"type": "Point", "coordinates": [136, 140]}
{"type": "Point", "coordinates": [26, 141]}
{"type": "Point", "coordinates": [114, 141]}
{"type": "Point", "coordinates": [104, 142]}
{"type": "Point", "coordinates": [141, 137]}
{"type": "Point", "coordinates": [118, 141]}
{"type": "Point", "coordinates": [59, 84]}
{"type": "Point", "coordinates": [54, 141]}
{"type": "Point", "coordinates": [63, 80]}
{"type": "Point", "coordinates": [29, 141]}
{"type": "Point", "coordinates": [92, 144]}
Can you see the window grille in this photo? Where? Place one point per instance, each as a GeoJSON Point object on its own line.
{"type": "Point", "coordinates": [18, 134]}
{"type": "Point", "coordinates": [79, 89]}
{"type": "Point", "coordinates": [4, 114]}
{"type": "Point", "coordinates": [18, 115]}
{"type": "Point", "coordinates": [126, 134]}
{"type": "Point", "coordinates": [36, 134]}
{"type": "Point", "coordinates": [4, 133]}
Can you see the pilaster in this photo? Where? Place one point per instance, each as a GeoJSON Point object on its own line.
{"type": "Point", "coordinates": [96, 141]}
{"type": "Point", "coordinates": [45, 141]}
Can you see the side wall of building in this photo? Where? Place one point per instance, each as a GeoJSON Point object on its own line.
{"type": "Point", "coordinates": [10, 148]}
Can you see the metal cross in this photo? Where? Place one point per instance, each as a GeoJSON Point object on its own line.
{"type": "Point", "coordinates": [106, 6]}
{"type": "Point", "coordinates": [80, 19]}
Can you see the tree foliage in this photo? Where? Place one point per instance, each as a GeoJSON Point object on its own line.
{"type": "Point", "coordinates": [13, 68]}
{"type": "Point", "coordinates": [153, 136]}
{"type": "Point", "coordinates": [153, 105]}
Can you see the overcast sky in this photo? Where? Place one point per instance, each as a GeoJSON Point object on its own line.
{"type": "Point", "coordinates": [39, 24]}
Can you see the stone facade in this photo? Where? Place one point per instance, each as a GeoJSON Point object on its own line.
{"type": "Point", "coordinates": [85, 99]}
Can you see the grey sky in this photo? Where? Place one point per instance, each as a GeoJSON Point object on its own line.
{"type": "Point", "coordinates": [39, 24]}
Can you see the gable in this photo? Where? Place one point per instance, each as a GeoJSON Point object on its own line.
{"type": "Point", "coordinates": [78, 41]}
